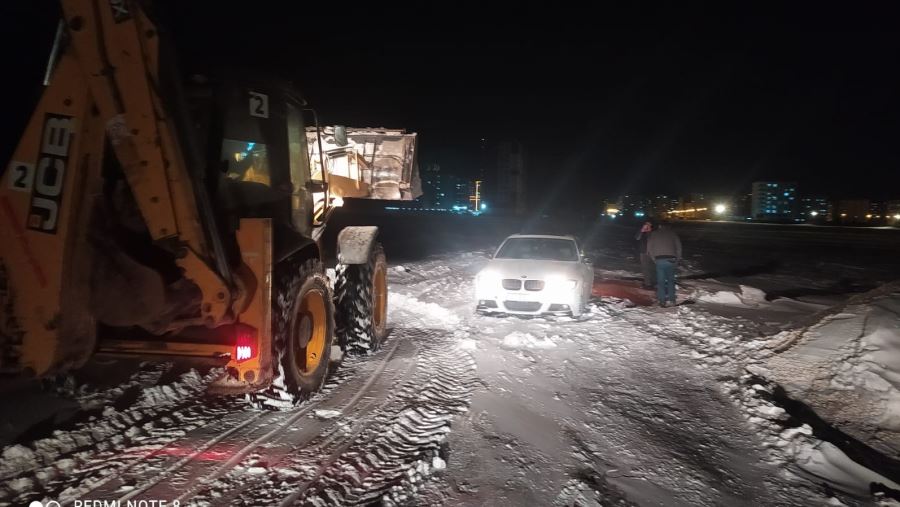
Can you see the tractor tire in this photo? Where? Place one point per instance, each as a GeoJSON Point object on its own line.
{"type": "Point", "coordinates": [360, 292]}
{"type": "Point", "coordinates": [302, 334]}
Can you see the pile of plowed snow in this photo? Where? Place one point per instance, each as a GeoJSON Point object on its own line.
{"type": "Point", "coordinates": [847, 369]}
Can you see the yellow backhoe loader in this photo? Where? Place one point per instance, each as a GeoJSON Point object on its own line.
{"type": "Point", "coordinates": [147, 215]}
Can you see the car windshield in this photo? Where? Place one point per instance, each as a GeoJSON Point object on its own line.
{"type": "Point", "coordinates": [548, 249]}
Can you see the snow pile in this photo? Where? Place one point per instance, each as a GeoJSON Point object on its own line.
{"type": "Point", "coordinates": [798, 444]}
{"type": "Point", "coordinates": [825, 460]}
{"type": "Point", "coordinates": [722, 297]}
{"type": "Point", "coordinates": [92, 397]}
{"type": "Point", "coordinates": [520, 340]}
{"type": "Point", "coordinates": [847, 352]}
{"type": "Point", "coordinates": [422, 314]}
{"type": "Point", "coordinates": [847, 369]}
{"type": "Point", "coordinates": [326, 414]}
{"type": "Point", "coordinates": [17, 457]}
{"type": "Point", "coordinates": [112, 429]}
{"type": "Point", "coordinates": [468, 344]}
{"type": "Point", "coordinates": [189, 384]}
{"type": "Point", "coordinates": [752, 296]}
{"type": "Point", "coordinates": [749, 296]}
{"type": "Point", "coordinates": [714, 340]}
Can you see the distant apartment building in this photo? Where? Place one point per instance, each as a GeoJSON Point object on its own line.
{"type": "Point", "coordinates": [458, 190]}
{"type": "Point", "coordinates": [695, 199]}
{"type": "Point", "coordinates": [633, 206]}
{"type": "Point", "coordinates": [630, 206]}
{"type": "Point", "coordinates": [743, 206]}
{"type": "Point", "coordinates": [877, 212]}
{"type": "Point", "coordinates": [854, 211]}
{"type": "Point", "coordinates": [816, 209]}
{"type": "Point", "coordinates": [509, 192]}
{"type": "Point", "coordinates": [892, 208]}
{"type": "Point", "coordinates": [661, 205]}
{"type": "Point", "coordinates": [774, 200]}
{"type": "Point", "coordinates": [433, 192]}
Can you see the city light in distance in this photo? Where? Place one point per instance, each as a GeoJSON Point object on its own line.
{"type": "Point", "coordinates": [719, 209]}
{"type": "Point", "coordinates": [692, 210]}
{"type": "Point", "coordinates": [813, 213]}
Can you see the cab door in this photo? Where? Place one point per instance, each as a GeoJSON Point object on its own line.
{"type": "Point", "coordinates": [254, 153]}
{"type": "Point", "coordinates": [310, 196]}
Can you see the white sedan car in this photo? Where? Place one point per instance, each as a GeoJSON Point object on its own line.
{"type": "Point", "coordinates": [533, 275]}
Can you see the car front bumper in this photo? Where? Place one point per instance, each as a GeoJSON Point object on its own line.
{"type": "Point", "coordinates": [528, 303]}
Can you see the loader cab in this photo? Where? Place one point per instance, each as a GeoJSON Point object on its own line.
{"type": "Point", "coordinates": [262, 157]}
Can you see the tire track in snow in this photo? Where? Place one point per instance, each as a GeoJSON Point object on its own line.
{"type": "Point", "coordinates": [73, 461]}
{"type": "Point", "coordinates": [385, 454]}
{"type": "Point", "coordinates": [197, 484]}
{"type": "Point", "coordinates": [115, 452]}
{"type": "Point", "coordinates": [172, 459]}
{"type": "Point", "coordinates": [395, 453]}
{"type": "Point", "coordinates": [307, 454]}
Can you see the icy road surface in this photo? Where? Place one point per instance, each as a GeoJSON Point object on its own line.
{"type": "Point", "coordinates": [373, 433]}
{"type": "Point", "coordinates": [615, 409]}
{"type": "Point", "coordinates": [628, 406]}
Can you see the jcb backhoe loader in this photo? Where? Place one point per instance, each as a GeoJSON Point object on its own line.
{"type": "Point", "coordinates": [143, 215]}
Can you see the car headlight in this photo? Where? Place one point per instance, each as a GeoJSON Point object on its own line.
{"type": "Point", "coordinates": [487, 281]}
{"type": "Point", "coordinates": [559, 283]}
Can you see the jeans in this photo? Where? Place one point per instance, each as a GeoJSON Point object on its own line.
{"type": "Point", "coordinates": [665, 280]}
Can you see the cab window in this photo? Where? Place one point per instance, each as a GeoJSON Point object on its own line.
{"type": "Point", "coordinates": [248, 161]}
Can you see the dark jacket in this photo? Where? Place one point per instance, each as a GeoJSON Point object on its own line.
{"type": "Point", "coordinates": [664, 242]}
{"type": "Point", "coordinates": [641, 238]}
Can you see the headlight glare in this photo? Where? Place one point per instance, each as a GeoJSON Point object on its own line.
{"type": "Point", "coordinates": [560, 283]}
{"type": "Point", "coordinates": [487, 281]}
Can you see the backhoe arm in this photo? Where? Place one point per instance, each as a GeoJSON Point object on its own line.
{"type": "Point", "coordinates": [117, 48]}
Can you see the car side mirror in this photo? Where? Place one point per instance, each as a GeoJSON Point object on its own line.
{"type": "Point", "coordinates": [587, 260]}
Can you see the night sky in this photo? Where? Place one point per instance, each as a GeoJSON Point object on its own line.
{"type": "Point", "coordinates": [609, 101]}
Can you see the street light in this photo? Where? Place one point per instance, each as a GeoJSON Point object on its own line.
{"type": "Point", "coordinates": [719, 209]}
{"type": "Point", "coordinates": [813, 213]}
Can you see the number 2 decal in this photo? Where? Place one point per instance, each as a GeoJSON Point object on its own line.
{"type": "Point", "coordinates": [259, 105]}
{"type": "Point", "coordinates": [21, 176]}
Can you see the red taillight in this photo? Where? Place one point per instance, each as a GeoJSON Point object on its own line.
{"type": "Point", "coordinates": [244, 347]}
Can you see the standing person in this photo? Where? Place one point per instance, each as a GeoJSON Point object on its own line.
{"type": "Point", "coordinates": [664, 246]}
{"type": "Point", "coordinates": [647, 267]}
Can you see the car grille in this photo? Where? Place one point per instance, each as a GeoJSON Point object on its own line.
{"type": "Point", "coordinates": [534, 285]}
{"type": "Point", "coordinates": [511, 284]}
{"type": "Point", "coordinates": [522, 306]}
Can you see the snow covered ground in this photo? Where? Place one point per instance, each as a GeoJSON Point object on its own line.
{"type": "Point", "coordinates": [623, 406]}
{"type": "Point", "coordinates": [846, 367]}
{"type": "Point", "coordinates": [775, 387]}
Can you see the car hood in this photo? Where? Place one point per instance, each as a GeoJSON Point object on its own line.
{"type": "Point", "coordinates": [535, 269]}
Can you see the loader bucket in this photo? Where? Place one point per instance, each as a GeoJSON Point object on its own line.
{"type": "Point", "coordinates": [368, 163]}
